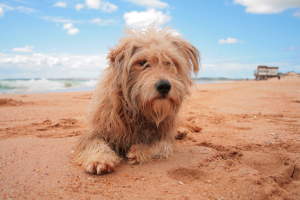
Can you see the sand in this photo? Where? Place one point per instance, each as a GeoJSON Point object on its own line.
{"type": "Point", "coordinates": [236, 140]}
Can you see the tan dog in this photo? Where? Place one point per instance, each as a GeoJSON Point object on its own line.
{"type": "Point", "coordinates": [135, 105]}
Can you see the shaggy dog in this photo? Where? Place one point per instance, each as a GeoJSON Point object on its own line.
{"type": "Point", "coordinates": [135, 105]}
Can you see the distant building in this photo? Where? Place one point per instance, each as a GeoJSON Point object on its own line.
{"type": "Point", "coordinates": [264, 72]}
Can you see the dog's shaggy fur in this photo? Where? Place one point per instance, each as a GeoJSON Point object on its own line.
{"type": "Point", "coordinates": [130, 117]}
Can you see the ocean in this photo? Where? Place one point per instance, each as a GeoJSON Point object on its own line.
{"type": "Point", "coordinates": [41, 85]}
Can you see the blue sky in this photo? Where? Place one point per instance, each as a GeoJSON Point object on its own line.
{"type": "Point", "coordinates": [64, 39]}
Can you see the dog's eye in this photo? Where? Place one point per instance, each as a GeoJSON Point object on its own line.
{"type": "Point", "coordinates": [142, 63]}
{"type": "Point", "coordinates": [167, 63]}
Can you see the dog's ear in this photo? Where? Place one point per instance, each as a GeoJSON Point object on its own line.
{"type": "Point", "coordinates": [189, 51]}
{"type": "Point", "coordinates": [117, 55]}
{"type": "Point", "coordinates": [122, 52]}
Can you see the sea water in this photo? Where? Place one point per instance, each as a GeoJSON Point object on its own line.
{"type": "Point", "coordinates": [42, 85]}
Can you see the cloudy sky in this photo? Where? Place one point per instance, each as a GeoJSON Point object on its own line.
{"type": "Point", "coordinates": [70, 38]}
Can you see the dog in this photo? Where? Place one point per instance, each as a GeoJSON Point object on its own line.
{"type": "Point", "coordinates": [135, 104]}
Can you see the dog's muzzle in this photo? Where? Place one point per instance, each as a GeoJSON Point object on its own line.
{"type": "Point", "coordinates": [163, 87]}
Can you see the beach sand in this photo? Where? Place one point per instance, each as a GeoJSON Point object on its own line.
{"type": "Point", "coordinates": [238, 140]}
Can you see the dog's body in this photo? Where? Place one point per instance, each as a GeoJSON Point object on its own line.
{"type": "Point", "coordinates": [134, 107]}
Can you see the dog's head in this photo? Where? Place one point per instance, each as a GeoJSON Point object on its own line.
{"type": "Point", "coordinates": [153, 70]}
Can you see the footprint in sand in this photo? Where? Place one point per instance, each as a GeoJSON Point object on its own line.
{"type": "Point", "coordinates": [279, 167]}
{"type": "Point", "coordinates": [186, 175]}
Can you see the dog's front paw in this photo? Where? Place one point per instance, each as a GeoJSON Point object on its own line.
{"type": "Point", "coordinates": [140, 153]}
{"type": "Point", "coordinates": [137, 154]}
{"type": "Point", "coordinates": [100, 168]}
{"type": "Point", "coordinates": [132, 158]}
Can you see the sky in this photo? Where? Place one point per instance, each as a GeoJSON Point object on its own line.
{"type": "Point", "coordinates": [71, 38]}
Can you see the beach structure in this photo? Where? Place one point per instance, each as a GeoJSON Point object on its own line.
{"type": "Point", "coordinates": [264, 72]}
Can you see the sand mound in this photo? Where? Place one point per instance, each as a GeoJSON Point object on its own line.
{"type": "Point", "coordinates": [10, 102]}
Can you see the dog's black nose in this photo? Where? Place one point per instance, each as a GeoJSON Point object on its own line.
{"type": "Point", "coordinates": [163, 86]}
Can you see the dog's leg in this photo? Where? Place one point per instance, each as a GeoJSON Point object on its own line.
{"type": "Point", "coordinates": [96, 156]}
{"type": "Point", "coordinates": [140, 153]}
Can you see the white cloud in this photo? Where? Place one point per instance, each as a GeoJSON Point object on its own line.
{"type": "Point", "coordinates": [40, 64]}
{"type": "Point", "coordinates": [101, 22]}
{"type": "Point", "coordinates": [228, 40]}
{"type": "Point", "coordinates": [60, 20]}
{"type": "Point", "coordinates": [100, 5]}
{"type": "Point", "coordinates": [71, 29]}
{"type": "Point", "coordinates": [25, 10]}
{"type": "Point", "coordinates": [25, 49]}
{"type": "Point", "coordinates": [150, 3]}
{"type": "Point", "coordinates": [68, 26]}
{"type": "Point", "coordinates": [1, 11]}
{"type": "Point", "coordinates": [6, 7]}
{"type": "Point", "coordinates": [268, 6]}
{"type": "Point", "coordinates": [95, 4]}
{"type": "Point", "coordinates": [21, 9]}
{"type": "Point", "coordinates": [47, 60]}
{"type": "Point", "coordinates": [79, 6]}
{"type": "Point", "coordinates": [60, 4]}
{"type": "Point", "coordinates": [108, 7]}
{"type": "Point", "coordinates": [143, 19]}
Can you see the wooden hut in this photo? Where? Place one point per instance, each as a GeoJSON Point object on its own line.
{"type": "Point", "coordinates": [264, 72]}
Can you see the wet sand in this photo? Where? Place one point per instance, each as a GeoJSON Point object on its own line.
{"type": "Point", "coordinates": [235, 141]}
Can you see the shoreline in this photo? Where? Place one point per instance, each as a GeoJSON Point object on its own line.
{"type": "Point", "coordinates": [90, 90]}
{"type": "Point", "coordinates": [29, 86]}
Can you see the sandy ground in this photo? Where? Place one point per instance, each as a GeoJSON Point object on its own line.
{"type": "Point", "coordinates": [236, 141]}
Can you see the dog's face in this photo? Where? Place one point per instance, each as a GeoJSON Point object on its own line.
{"type": "Point", "coordinates": [153, 69]}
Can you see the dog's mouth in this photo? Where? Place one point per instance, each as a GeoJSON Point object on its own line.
{"type": "Point", "coordinates": [160, 108]}
{"type": "Point", "coordinates": [163, 98]}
